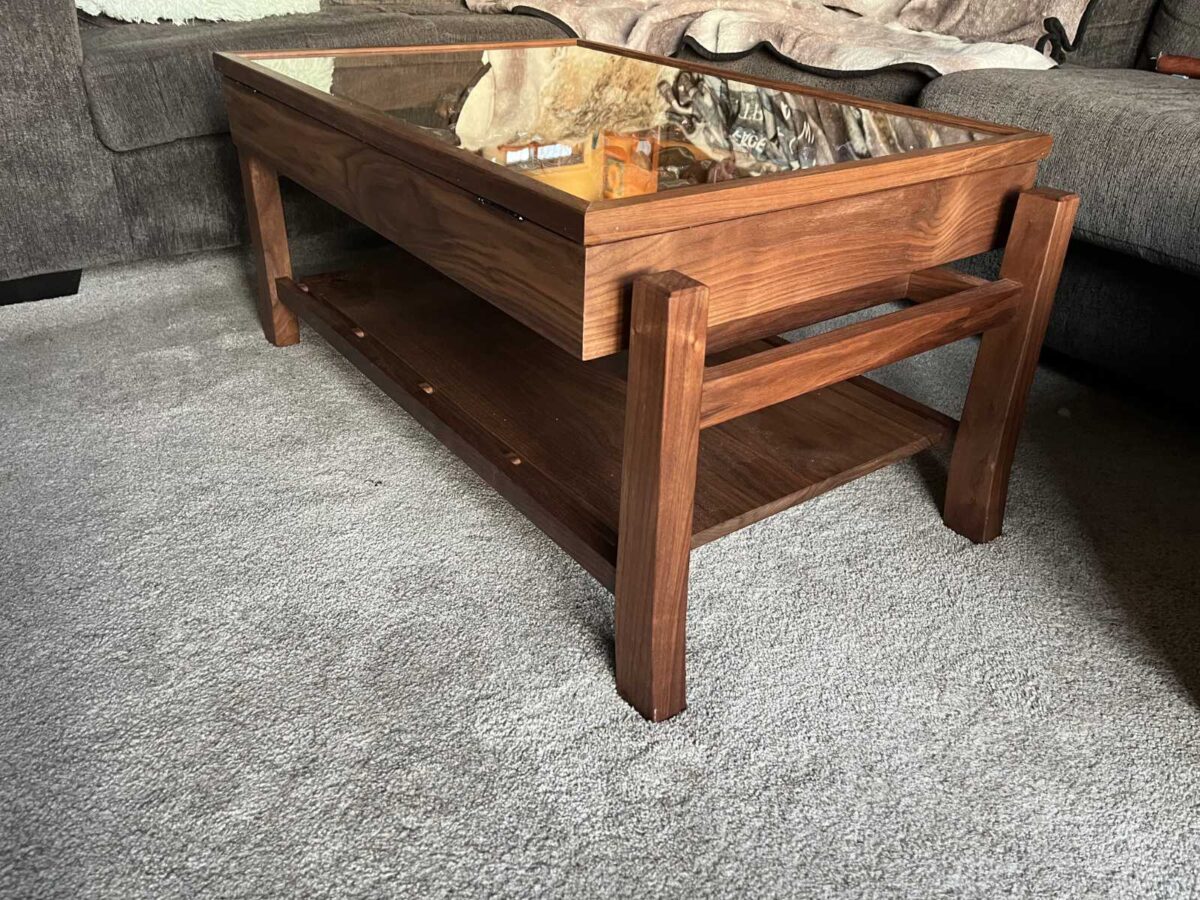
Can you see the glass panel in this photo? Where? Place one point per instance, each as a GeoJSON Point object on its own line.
{"type": "Point", "coordinates": [603, 126]}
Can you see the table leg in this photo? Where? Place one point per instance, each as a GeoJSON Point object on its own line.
{"type": "Point", "coordinates": [658, 485]}
{"type": "Point", "coordinates": [1008, 356]}
{"type": "Point", "coordinates": [269, 237]}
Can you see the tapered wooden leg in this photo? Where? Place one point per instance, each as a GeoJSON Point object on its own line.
{"type": "Point", "coordinates": [269, 237]}
{"type": "Point", "coordinates": [658, 485]}
{"type": "Point", "coordinates": [1008, 356]}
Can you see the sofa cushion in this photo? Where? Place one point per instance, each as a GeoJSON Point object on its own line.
{"type": "Point", "coordinates": [1176, 29]}
{"type": "Point", "coordinates": [151, 84]}
{"type": "Point", "coordinates": [1111, 33]}
{"type": "Point", "coordinates": [167, 214]}
{"type": "Point", "coordinates": [1127, 141]}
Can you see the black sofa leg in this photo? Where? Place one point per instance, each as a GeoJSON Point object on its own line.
{"type": "Point", "coordinates": [40, 287]}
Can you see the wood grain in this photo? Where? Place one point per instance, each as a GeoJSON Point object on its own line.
{"type": "Point", "coordinates": [376, 346]}
{"type": "Point", "coordinates": [613, 220]}
{"type": "Point", "coordinates": [980, 466]}
{"type": "Point", "coordinates": [919, 287]}
{"type": "Point", "coordinates": [752, 382]}
{"type": "Point", "coordinates": [806, 312]}
{"type": "Point", "coordinates": [226, 62]}
{"type": "Point", "coordinates": [609, 220]}
{"type": "Point", "coordinates": [551, 208]}
{"type": "Point", "coordinates": [506, 392]}
{"type": "Point", "coordinates": [630, 461]}
{"type": "Point", "coordinates": [1187, 66]}
{"type": "Point", "coordinates": [781, 456]}
{"type": "Point", "coordinates": [758, 264]}
{"type": "Point", "coordinates": [658, 486]}
{"type": "Point", "coordinates": [375, 81]}
{"type": "Point", "coordinates": [933, 284]}
{"type": "Point", "coordinates": [604, 221]}
{"type": "Point", "coordinates": [268, 236]}
{"type": "Point", "coordinates": [577, 297]}
{"type": "Point", "coordinates": [531, 273]}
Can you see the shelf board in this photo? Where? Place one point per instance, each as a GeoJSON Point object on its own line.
{"type": "Point", "coordinates": [545, 429]}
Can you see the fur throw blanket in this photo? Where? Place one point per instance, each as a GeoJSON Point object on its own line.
{"type": "Point", "coordinates": [935, 36]}
{"type": "Point", "coordinates": [182, 11]}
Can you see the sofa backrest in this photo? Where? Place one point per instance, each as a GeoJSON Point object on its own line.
{"type": "Point", "coordinates": [1112, 33]}
{"type": "Point", "coordinates": [1175, 29]}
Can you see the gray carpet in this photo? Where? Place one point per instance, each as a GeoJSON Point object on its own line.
{"type": "Point", "coordinates": [263, 637]}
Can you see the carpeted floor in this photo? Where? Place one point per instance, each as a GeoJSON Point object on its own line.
{"type": "Point", "coordinates": [262, 636]}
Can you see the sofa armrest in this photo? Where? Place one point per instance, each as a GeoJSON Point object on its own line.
{"type": "Point", "coordinates": [61, 209]}
{"type": "Point", "coordinates": [1187, 66]}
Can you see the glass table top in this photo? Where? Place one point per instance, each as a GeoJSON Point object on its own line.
{"type": "Point", "coordinates": [603, 126]}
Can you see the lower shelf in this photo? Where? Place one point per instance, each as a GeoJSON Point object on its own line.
{"type": "Point", "coordinates": [545, 429]}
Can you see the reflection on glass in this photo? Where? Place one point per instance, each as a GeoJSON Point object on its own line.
{"type": "Point", "coordinates": [603, 126]}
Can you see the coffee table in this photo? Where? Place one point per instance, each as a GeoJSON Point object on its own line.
{"type": "Point", "coordinates": [601, 249]}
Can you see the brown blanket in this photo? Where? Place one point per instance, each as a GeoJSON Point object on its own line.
{"type": "Point", "coordinates": [839, 35]}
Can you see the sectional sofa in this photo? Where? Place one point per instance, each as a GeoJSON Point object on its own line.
{"type": "Point", "coordinates": [116, 148]}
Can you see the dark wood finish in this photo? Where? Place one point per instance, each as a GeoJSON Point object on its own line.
{"type": "Point", "coordinates": [268, 234]}
{"type": "Point", "coordinates": [1187, 66]}
{"type": "Point", "coordinates": [551, 208]}
{"type": "Point", "coordinates": [919, 287]}
{"type": "Point", "coordinates": [577, 297]}
{"type": "Point", "coordinates": [933, 284]}
{"type": "Point", "coordinates": [221, 58]}
{"type": "Point", "coordinates": [796, 255]}
{"type": "Point", "coordinates": [658, 487]}
{"type": "Point", "coordinates": [949, 424]}
{"type": "Point", "coordinates": [447, 391]}
{"type": "Point", "coordinates": [617, 220]}
{"type": "Point", "coordinates": [531, 273]}
{"type": "Point", "coordinates": [744, 385]}
{"type": "Point", "coordinates": [40, 287]}
{"type": "Point", "coordinates": [448, 357]}
{"type": "Point", "coordinates": [806, 312]}
{"type": "Point", "coordinates": [701, 204]}
{"type": "Point", "coordinates": [372, 80]}
{"type": "Point", "coordinates": [564, 266]}
{"type": "Point", "coordinates": [631, 461]}
{"type": "Point", "coordinates": [983, 451]}
{"type": "Point", "coordinates": [787, 454]}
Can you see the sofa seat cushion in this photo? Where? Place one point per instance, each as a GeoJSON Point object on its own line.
{"type": "Point", "coordinates": [1127, 141]}
{"type": "Point", "coordinates": [152, 84]}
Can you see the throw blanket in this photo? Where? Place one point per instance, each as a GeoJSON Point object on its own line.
{"type": "Point", "coordinates": [938, 36]}
{"type": "Point", "coordinates": [182, 11]}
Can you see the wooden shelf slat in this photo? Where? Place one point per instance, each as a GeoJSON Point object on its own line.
{"type": "Point", "coordinates": [546, 429]}
{"type": "Point", "coordinates": [743, 385]}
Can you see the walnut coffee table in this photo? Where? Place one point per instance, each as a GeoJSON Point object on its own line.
{"type": "Point", "coordinates": [601, 246]}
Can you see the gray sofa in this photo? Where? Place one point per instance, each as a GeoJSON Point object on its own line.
{"type": "Point", "coordinates": [116, 148]}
